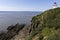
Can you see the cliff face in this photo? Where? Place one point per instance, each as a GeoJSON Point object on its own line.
{"type": "Point", "coordinates": [45, 26]}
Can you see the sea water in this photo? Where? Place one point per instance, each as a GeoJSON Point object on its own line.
{"type": "Point", "coordinates": [8, 18]}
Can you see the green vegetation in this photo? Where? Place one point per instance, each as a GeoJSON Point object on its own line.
{"type": "Point", "coordinates": [48, 24]}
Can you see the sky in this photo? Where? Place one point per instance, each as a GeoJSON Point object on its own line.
{"type": "Point", "coordinates": [27, 5]}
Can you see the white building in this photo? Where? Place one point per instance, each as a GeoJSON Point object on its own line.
{"type": "Point", "coordinates": [55, 5]}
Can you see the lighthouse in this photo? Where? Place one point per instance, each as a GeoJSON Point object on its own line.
{"type": "Point", "coordinates": [55, 5]}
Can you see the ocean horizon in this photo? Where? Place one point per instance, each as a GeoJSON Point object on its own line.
{"type": "Point", "coordinates": [8, 18]}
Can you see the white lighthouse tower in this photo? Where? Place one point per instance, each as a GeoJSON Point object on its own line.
{"type": "Point", "coordinates": [55, 5]}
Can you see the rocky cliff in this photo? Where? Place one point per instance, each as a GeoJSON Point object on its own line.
{"type": "Point", "coordinates": [45, 26]}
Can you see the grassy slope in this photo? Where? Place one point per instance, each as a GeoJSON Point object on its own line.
{"type": "Point", "coordinates": [48, 25]}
